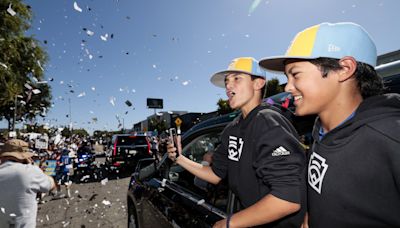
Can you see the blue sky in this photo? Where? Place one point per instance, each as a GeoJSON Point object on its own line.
{"type": "Point", "coordinates": [170, 48]}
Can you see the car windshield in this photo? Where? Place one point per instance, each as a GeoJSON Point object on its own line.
{"type": "Point", "coordinates": [131, 140]}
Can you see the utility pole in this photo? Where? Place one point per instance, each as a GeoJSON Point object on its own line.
{"type": "Point", "coordinates": [70, 117]}
{"type": "Point", "coordinates": [15, 112]}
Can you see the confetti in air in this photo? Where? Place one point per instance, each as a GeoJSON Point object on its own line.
{"type": "Point", "coordinates": [254, 6]}
{"type": "Point", "coordinates": [36, 91]}
{"type": "Point", "coordinates": [90, 33]}
{"type": "Point", "coordinates": [77, 8]}
{"type": "Point", "coordinates": [112, 101]}
{"type": "Point", "coordinates": [128, 103]}
{"type": "Point", "coordinates": [82, 94]}
{"type": "Point", "coordinates": [10, 10]}
{"type": "Point", "coordinates": [3, 65]}
{"type": "Point", "coordinates": [104, 38]}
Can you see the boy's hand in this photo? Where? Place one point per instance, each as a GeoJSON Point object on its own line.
{"type": "Point", "coordinates": [174, 152]}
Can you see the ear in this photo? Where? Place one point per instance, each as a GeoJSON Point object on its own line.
{"type": "Point", "coordinates": [259, 83]}
{"type": "Point", "coordinates": [349, 66]}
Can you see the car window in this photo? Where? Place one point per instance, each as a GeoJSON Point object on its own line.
{"type": "Point", "coordinates": [201, 145]}
{"type": "Point", "coordinates": [200, 150]}
{"type": "Point", "coordinates": [131, 140]}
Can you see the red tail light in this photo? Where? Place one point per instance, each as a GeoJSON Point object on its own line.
{"type": "Point", "coordinates": [115, 148]}
{"type": "Point", "coordinates": [148, 147]}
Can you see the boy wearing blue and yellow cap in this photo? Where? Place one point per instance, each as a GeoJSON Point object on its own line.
{"type": "Point", "coordinates": [354, 163]}
{"type": "Point", "coordinates": [260, 154]}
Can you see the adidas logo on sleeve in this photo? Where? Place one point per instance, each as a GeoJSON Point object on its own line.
{"type": "Point", "coordinates": [280, 151]}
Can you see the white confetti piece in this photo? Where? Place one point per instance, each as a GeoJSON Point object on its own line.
{"type": "Point", "coordinates": [3, 210]}
{"type": "Point", "coordinates": [10, 10]}
{"type": "Point", "coordinates": [112, 101]}
{"type": "Point", "coordinates": [47, 217]}
{"type": "Point", "coordinates": [164, 181]}
{"type": "Point", "coordinates": [104, 181]}
{"type": "Point", "coordinates": [104, 38]}
{"type": "Point", "coordinates": [77, 8]}
{"type": "Point", "coordinates": [28, 86]}
{"type": "Point", "coordinates": [106, 202]}
{"type": "Point", "coordinates": [65, 224]}
{"type": "Point", "coordinates": [82, 94]}
{"type": "Point", "coordinates": [3, 65]}
{"type": "Point", "coordinates": [36, 91]}
{"type": "Point", "coordinates": [200, 202]}
{"type": "Point", "coordinates": [93, 88]}
{"type": "Point", "coordinates": [90, 33]}
{"type": "Point", "coordinates": [85, 177]}
{"type": "Point", "coordinates": [185, 83]}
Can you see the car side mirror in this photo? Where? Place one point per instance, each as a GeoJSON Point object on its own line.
{"type": "Point", "coordinates": [145, 168]}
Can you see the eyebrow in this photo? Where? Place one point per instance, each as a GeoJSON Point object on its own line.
{"type": "Point", "coordinates": [290, 71]}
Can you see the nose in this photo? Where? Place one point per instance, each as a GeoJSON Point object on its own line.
{"type": "Point", "coordinates": [228, 84]}
{"type": "Point", "coordinates": [289, 87]}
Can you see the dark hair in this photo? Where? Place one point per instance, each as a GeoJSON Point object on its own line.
{"type": "Point", "coordinates": [368, 81]}
{"type": "Point", "coordinates": [263, 89]}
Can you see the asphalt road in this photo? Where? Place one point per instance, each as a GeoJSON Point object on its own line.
{"type": "Point", "coordinates": [96, 204]}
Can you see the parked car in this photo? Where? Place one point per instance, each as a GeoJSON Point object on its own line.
{"type": "Point", "coordinates": [162, 194]}
{"type": "Point", "coordinates": [127, 149]}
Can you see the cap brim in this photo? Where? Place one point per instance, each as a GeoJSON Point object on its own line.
{"type": "Point", "coordinates": [218, 79]}
{"type": "Point", "coordinates": [278, 63]}
{"type": "Point", "coordinates": [18, 155]}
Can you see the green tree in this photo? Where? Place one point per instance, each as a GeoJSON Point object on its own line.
{"type": "Point", "coordinates": [157, 123]}
{"type": "Point", "coordinates": [273, 87]}
{"type": "Point", "coordinates": [223, 107]}
{"type": "Point", "coordinates": [21, 66]}
{"type": "Point", "coordinates": [81, 132]}
{"type": "Point", "coordinates": [37, 128]}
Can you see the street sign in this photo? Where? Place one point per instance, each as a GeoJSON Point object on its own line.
{"type": "Point", "coordinates": [178, 122]}
{"type": "Point", "coordinates": [154, 103]}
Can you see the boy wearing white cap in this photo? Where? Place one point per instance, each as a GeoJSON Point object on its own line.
{"type": "Point", "coordinates": [354, 163]}
{"type": "Point", "coordinates": [260, 154]}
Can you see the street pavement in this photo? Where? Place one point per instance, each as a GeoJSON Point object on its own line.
{"type": "Point", "coordinates": [96, 204]}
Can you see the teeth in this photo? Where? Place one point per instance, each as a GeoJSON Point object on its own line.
{"type": "Point", "coordinates": [297, 97]}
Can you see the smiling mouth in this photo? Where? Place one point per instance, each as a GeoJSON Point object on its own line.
{"type": "Point", "coordinates": [296, 98]}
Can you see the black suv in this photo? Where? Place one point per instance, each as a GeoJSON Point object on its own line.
{"type": "Point", "coordinates": [127, 149]}
{"type": "Point", "coordinates": [162, 194]}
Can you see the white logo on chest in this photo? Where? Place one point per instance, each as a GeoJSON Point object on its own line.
{"type": "Point", "coordinates": [317, 168]}
{"type": "Point", "coordinates": [235, 148]}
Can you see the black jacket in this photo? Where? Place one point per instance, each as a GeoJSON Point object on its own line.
{"type": "Point", "coordinates": [261, 155]}
{"type": "Point", "coordinates": [354, 171]}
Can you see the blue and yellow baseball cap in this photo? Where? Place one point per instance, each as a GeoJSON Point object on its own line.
{"type": "Point", "coordinates": [247, 65]}
{"type": "Point", "coordinates": [327, 40]}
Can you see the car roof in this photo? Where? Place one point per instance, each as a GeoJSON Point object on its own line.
{"type": "Point", "coordinates": [212, 122]}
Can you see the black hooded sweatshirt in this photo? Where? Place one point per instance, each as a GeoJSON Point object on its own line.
{"type": "Point", "coordinates": [261, 155]}
{"type": "Point", "coordinates": [354, 171]}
